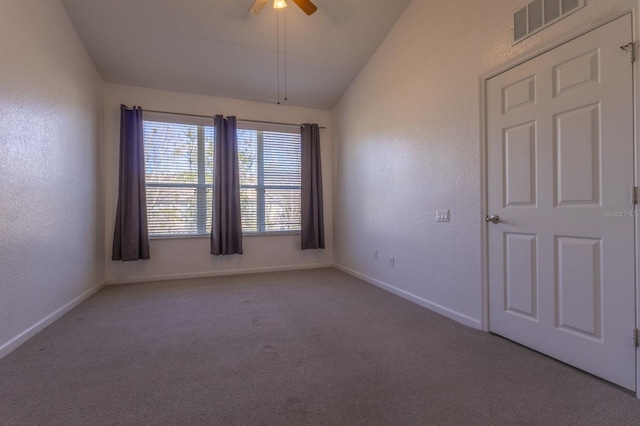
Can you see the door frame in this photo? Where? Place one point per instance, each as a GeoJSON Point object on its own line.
{"type": "Point", "coordinates": [633, 8]}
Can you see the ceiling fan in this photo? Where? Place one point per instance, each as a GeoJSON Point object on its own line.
{"type": "Point", "coordinates": [306, 6]}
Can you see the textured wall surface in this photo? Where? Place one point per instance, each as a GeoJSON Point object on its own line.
{"type": "Point", "coordinates": [190, 256]}
{"type": "Point", "coordinates": [407, 142]}
{"type": "Point", "coordinates": [51, 212]}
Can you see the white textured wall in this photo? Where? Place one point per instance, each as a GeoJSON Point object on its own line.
{"type": "Point", "coordinates": [190, 256]}
{"type": "Point", "coordinates": [51, 212]}
{"type": "Point", "coordinates": [407, 142]}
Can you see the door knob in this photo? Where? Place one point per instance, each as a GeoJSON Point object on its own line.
{"type": "Point", "coordinates": [493, 218]}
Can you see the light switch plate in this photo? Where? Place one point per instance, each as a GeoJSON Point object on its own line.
{"type": "Point", "coordinates": [443, 216]}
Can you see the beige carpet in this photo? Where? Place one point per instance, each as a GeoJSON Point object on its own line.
{"type": "Point", "coordinates": [294, 348]}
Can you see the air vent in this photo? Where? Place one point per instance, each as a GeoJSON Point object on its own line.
{"type": "Point", "coordinates": [569, 5]}
{"type": "Point", "coordinates": [534, 13]}
{"type": "Point", "coordinates": [520, 24]}
{"type": "Point", "coordinates": [539, 14]}
{"type": "Point", "coordinates": [551, 10]}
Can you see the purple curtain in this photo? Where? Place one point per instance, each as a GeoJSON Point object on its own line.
{"type": "Point", "coordinates": [226, 229]}
{"type": "Point", "coordinates": [312, 230]}
{"type": "Point", "coordinates": [131, 235]}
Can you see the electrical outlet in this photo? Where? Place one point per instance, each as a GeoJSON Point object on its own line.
{"type": "Point", "coordinates": [443, 216]}
{"type": "Point", "coordinates": [392, 261]}
{"type": "Point", "coordinates": [375, 254]}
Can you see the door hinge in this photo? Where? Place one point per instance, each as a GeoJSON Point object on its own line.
{"type": "Point", "coordinates": [633, 195]}
{"type": "Point", "coordinates": [636, 337]}
{"type": "Point", "coordinates": [630, 49]}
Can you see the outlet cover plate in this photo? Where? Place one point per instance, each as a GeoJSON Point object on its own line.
{"type": "Point", "coordinates": [443, 216]}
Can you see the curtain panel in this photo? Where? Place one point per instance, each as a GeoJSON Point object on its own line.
{"type": "Point", "coordinates": [312, 216]}
{"type": "Point", "coordinates": [131, 235]}
{"type": "Point", "coordinates": [226, 229]}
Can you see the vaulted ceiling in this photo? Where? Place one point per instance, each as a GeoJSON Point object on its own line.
{"type": "Point", "coordinates": [215, 47]}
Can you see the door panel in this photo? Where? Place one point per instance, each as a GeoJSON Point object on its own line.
{"type": "Point", "coordinates": [577, 146]}
{"type": "Point", "coordinates": [520, 165]}
{"type": "Point", "coordinates": [519, 94]}
{"type": "Point", "coordinates": [560, 165]}
{"type": "Point", "coordinates": [521, 279]}
{"type": "Point", "coordinates": [576, 72]}
{"type": "Point", "coordinates": [578, 300]}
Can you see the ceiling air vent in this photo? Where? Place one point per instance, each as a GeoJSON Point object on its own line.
{"type": "Point", "coordinates": [539, 14]}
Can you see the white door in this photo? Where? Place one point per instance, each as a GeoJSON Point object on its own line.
{"type": "Point", "coordinates": [560, 172]}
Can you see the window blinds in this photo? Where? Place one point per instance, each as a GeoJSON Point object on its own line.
{"type": "Point", "coordinates": [269, 160]}
{"type": "Point", "coordinates": [179, 161]}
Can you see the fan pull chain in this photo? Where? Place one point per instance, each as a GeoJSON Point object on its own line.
{"type": "Point", "coordinates": [285, 54]}
{"type": "Point", "coordinates": [278, 51]}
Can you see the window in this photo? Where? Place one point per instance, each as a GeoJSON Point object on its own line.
{"type": "Point", "coordinates": [270, 179]}
{"type": "Point", "coordinates": [179, 161]}
{"type": "Point", "coordinates": [178, 153]}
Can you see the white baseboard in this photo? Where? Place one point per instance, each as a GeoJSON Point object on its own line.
{"type": "Point", "coordinates": [12, 344]}
{"type": "Point", "coordinates": [171, 277]}
{"type": "Point", "coordinates": [442, 310]}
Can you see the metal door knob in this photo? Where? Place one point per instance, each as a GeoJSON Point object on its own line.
{"type": "Point", "coordinates": [493, 218]}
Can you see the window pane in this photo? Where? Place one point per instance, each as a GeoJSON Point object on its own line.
{"type": "Point", "coordinates": [282, 210]}
{"type": "Point", "coordinates": [248, 207]}
{"type": "Point", "coordinates": [172, 210]}
{"type": "Point", "coordinates": [281, 159]}
{"type": "Point", "coordinates": [209, 209]}
{"type": "Point", "coordinates": [170, 152]}
{"type": "Point", "coordinates": [248, 156]}
{"type": "Point", "coordinates": [209, 144]}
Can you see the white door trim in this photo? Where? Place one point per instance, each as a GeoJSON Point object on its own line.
{"type": "Point", "coordinates": [633, 7]}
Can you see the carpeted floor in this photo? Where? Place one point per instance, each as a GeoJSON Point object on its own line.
{"type": "Point", "coordinates": [292, 348]}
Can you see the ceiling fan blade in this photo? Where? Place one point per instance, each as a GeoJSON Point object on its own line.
{"type": "Point", "coordinates": [257, 6]}
{"type": "Point", "coordinates": [306, 6]}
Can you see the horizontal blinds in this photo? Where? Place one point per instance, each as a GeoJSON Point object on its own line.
{"type": "Point", "coordinates": [269, 127]}
{"type": "Point", "coordinates": [179, 174]}
{"type": "Point", "coordinates": [269, 163]}
{"type": "Point", "coordinates": [179, 161]}
{"type": "Point", "coordinates": [170, 117]}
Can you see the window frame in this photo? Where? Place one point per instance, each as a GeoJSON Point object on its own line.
{"type": "Point", "coordinates": [200, 187]}
{"type": "Point", "coordinates": [261, 188]}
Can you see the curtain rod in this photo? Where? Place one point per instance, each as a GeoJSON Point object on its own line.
{"type": "Point", "coordinates": [239, 119]}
